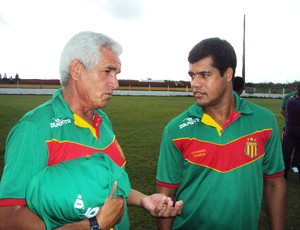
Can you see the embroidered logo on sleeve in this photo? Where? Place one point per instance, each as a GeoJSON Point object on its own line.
{"type": "Point", "coordinates": [188, 121]}
{"type": "Point", "coordinates": [59, 122]}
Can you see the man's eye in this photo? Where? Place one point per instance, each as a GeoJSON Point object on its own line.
{"type": "Point", "coordinates": [205, 75]}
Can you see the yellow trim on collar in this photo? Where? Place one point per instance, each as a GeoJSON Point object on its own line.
{"type": "Point", "coordinates": [208, 120]}
{"type": "Point", "coordinates": [82, 123]}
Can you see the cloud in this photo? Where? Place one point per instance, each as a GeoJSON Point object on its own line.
{"type": "Point", "coordinates": [156, 35]}
{"type": "Point", "coordinates": [3, 21]}
{"type": "Point", "coordinates": [120, 9]}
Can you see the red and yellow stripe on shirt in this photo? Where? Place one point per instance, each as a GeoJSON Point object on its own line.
{"type": "Point", "coordinates": [66, 150]}
{"type": "Point", "coordinates": [223, 157]}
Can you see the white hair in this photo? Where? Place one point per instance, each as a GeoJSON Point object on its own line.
{"type": "Point", "coordinates": [85, 47]}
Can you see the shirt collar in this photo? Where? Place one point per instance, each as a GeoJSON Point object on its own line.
{"type": "Point", "coordinates": [241, 106]}
{"type": "Point", "coordinates": [61, 108]}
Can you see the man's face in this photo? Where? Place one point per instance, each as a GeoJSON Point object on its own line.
{"type": "Point", "coordinates": [207, 84]}
{"type": "Point", "coordinates": [95, 87]}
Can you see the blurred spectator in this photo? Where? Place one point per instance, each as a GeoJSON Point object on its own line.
{"type": "Point", "coordinates": [238, 85]}
{"type": "Point", "coordinates": [4, 79]}
{"type": "Point", "coordinates": [283, 112]}
{"type": "Point", "coordinates": [17, 77]}
{"type": "Point", "coordinates": [11, 80]}
{"type": "Point", "coordinates": [291, 137]}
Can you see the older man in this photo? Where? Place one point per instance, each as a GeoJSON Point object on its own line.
{"type": "Point", "coordinates": [69, 126]}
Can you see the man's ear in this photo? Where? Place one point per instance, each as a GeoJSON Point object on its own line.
{"type": "Point", "coordinates": [229, 74]}
{"type": "Point", "coordinates": [75, 69]}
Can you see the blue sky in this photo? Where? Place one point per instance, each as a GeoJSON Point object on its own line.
{"type": "Point", "coordinates": [156, 35]}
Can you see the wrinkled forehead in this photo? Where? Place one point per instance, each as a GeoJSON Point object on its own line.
{"type": "Point", "coordinates": [109, 59]}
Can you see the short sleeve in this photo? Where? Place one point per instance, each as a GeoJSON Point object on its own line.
{"type": "Point", "coordinates": [273, 159]}
{"type": "Point", "coordinates": [170, 161]}
{"type": "Point", "coordinates": [25, 155]}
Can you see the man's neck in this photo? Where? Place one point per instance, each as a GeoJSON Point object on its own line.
{"type": "Point", "coordinates": [76, 105]}
{"type": "Point", "coordinates": [222, 111]}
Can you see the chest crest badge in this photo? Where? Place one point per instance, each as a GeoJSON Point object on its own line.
{"type": "Point", "coordinates": [251, 147]}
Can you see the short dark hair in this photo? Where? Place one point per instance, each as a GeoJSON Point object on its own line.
{"type": "Point", "coordinates": [221, 51]}
{"type": "Point", "coordinates": [298, 89]}
{"type": "Point", "coordinates": [238, 83]}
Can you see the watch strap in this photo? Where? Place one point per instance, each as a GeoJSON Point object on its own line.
{"type": "Point", "coordinates": [94, 223]}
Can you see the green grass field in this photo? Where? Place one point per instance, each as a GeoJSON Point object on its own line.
{"type": "Point", "coordinates": [138, 124]}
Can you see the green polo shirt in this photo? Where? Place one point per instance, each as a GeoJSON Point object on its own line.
{"type": "Point", "coordinates": [48, 135]}
{"type": "Point", "coordinates": [283, 103]}
{"type": "Point", "coordinates": [218, 171]}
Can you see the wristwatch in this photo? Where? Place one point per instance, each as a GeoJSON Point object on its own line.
{"type": "Point", "coordinates": [94, 224]}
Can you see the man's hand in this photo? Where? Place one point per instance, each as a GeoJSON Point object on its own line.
{"type": "Point", "coordinates": [161, 206]}
{"type": "Point", "coordinates": [112, 211]}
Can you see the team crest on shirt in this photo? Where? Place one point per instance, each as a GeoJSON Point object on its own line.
{"type": "Point", "coordinates": [251, 147]}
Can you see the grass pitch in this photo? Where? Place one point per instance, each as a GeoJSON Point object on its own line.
{"type": "Point", "coordinates": [138, 124]}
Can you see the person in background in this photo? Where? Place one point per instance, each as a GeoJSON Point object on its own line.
{"type": "Point", "coordinates": [69, 126]}
{"type": "Point", "coordinates": [291, 137]}
{"type": "Point", "coordinates": [238, 85]}
{"type": "Point", "coordinates": [222, 153]}
{"type": "Point", "coordinates": [4, 79]}
{"type": "Point", "coordinates": [295, 158]}
{"type": "Point", "coordinates": [17, 77]}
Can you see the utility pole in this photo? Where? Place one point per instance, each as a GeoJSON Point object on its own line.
{"type": "Point", "coordinates": [244, 38]}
